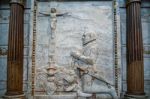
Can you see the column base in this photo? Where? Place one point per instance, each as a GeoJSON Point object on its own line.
{"type": "Point", "coordinates": [127, 96]}
{"type": "Point", "coordinates": [22, 96]}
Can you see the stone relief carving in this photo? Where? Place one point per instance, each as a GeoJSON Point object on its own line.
{"type": "Point", "coordinates": [82, 77]}
{"type": "Point", "coordinates": [52, 40]}
{"type": "Point", "coordinates": [56, 79]}
{"type": "Point", "coordinates": [53, 16]}
{"type": "Point", "coordinates": [93, 81]}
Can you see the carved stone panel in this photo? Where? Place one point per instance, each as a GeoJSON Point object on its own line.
{"type": "Point", "coordinates": [68, 24]}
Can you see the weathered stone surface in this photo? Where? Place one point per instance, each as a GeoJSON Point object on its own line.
{"type": "Point", "coordinates": [3, 64]}
{"type": "Point", "coordinates": [56, 79]}
{"type": "Point", "coordinates": [93, 17]}
{"type": "Point", "coordinates": [56, 97]}
{"type": "Point", "coordinates": [3, 34]}
{"type": "Point", "coordinates": [4, 16]}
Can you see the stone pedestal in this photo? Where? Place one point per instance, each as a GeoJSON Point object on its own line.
{"type": "Point", "coordinates": [15, 50]}
{"type": "Point", "coordinates": [135, 67]}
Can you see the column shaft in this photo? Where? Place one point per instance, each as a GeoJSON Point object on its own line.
{"type": "Point", "coordinates": [135, 67]}
{"type": "Point", "coordinates": [15, 49]}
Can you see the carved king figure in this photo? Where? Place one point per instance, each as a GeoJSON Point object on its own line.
{"type": "Point", "coordinates": [93, 81]}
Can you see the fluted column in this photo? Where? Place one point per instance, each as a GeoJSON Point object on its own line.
{"type": "Point", "coordinates": [15, 49]}
{"type": "Point", "coordinates": [135, 67]}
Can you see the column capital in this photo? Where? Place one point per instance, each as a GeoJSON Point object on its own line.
{"type": "Point", "coordinates": [132, 1]}
{"type": "Point", "coordinates": [21, 2]}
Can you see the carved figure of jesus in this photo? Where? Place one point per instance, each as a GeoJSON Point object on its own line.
{"type": "Point", "coordinates": [52, 39]}
{"type": "Point", "coordinates": [53, 16]}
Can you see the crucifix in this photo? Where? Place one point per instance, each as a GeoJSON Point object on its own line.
{"type": "Point", "coordinates": [52, 39]}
